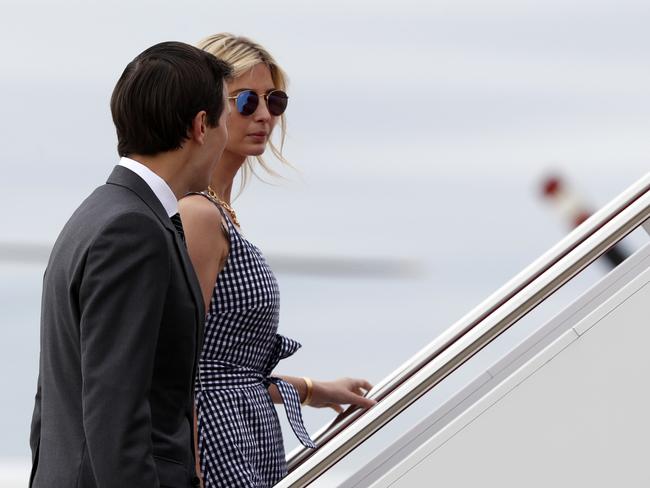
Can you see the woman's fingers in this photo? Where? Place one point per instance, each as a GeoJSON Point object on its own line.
{"type": "Point", "coordinates": [336, 407]}
{"type": "Point", "coordinates": [346, 391]}
{"type": "Point", "coordinates": [363, 402]}
{"type": "Point", "coordinates": [360, 400]}
{"type": "Point", "coordinates": [362, 387]}
{"type": "Point", "coordinates": [365, 385]}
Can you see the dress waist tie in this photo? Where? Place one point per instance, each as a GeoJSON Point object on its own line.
{"type": "Point", "coordinates": [221, 375]}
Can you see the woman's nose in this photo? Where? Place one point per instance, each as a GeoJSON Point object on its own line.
{"type": "Point", "coordinates": [262, 112]}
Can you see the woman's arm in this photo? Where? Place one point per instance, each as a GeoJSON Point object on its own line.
{"type": "Point", "coordinates": [197, 461]}
{"type": "Point", "coordinates": [208, 249]}
{"type": "Point", "coordinates": [207, 244]}
{"type": "Point", "coordinates": [332, 394]}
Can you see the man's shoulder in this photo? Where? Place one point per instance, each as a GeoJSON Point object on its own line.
{"type": "Point", "coordinates": [109, 201]}
{"type": "Point", "coordinates": [109, 207]}
{"type": "Point", "coordinates": [119, 198]}
{"type": "Point", "coordinates": [111, 215]}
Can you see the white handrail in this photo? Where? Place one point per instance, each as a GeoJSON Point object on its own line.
{"type": "Point", "coordinates": [472, 332]}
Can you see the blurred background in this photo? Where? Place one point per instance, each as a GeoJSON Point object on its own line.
{"type": "Point", "coordinates": [421, 133]}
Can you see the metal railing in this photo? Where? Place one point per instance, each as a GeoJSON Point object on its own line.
{"type": "Point", "coordinates": [472, 332]}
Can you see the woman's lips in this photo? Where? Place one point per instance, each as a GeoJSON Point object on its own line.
{"type": "Point", "coordinates": [259, 136]}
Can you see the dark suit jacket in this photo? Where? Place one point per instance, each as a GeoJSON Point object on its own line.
{"type": "Point", "coordinates": [121, 327]}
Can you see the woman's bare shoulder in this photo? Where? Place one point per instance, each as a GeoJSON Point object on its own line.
{"type": "Point", "coordinates": [203, 225]}
{"type": "Point", "coordinates": [198, 209]}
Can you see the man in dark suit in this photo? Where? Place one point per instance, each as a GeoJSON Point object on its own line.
{"type": "Point", "coordinates": [122, 310]}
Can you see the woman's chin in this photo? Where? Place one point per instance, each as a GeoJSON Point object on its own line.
{"type": "Point", "coordinates": [256, 150]}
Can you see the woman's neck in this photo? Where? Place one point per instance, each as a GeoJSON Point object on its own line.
{"type": "Point", "coordinates": [224, 175]}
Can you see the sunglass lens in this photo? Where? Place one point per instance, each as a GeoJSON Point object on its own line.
{"type": "Point", "coordinates": [247, 102]}
{"type": "Point", "coordinates": [277, 101]}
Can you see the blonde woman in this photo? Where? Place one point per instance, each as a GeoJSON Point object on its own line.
{"type": "Point", "coordinates": [239, 437]}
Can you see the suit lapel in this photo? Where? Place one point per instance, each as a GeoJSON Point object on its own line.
{"type": "Point", "coordinates": [124, 177]}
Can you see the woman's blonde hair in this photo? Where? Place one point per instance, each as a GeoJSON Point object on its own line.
{"type": "Point", "coordinates": [243, 54]}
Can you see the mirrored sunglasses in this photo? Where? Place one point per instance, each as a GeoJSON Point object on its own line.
{"type": "Point", "coordinates": [247, 102]}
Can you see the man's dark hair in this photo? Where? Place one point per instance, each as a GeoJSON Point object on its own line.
{"type": "Point", "coordinates": [160, 93]}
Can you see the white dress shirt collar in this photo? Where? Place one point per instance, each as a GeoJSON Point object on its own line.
{"type": "Point", "coordinates": [158, 186]}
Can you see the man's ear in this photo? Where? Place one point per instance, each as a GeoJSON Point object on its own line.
{"type": "Point", "coordinates": [199, 127]}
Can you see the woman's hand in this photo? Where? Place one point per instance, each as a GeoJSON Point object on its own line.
{"type": "Point", "coordinates": [347, 391]}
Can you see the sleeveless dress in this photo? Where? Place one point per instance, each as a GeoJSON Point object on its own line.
{"type": "Point", "coordinates": [240, 441]}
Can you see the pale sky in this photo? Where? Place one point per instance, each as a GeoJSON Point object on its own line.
{"type": "Point", "coordinates": [420, 129]}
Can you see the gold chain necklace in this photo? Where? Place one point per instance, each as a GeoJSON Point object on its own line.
{"type": "Point", "coordinates": [229, 209]}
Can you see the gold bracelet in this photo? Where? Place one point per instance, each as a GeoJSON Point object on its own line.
{"type": "Point", "coordinates": [310, 390]}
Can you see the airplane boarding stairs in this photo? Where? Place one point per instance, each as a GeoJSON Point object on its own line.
{"type": "Point", "coordinates": [567, 405]}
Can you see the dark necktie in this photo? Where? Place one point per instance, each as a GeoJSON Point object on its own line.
{"type": "Point", "coordinates": [176, 220]}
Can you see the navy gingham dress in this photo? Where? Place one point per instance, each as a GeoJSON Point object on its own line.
{"type": "Point", "coordinates": [240, 441]}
